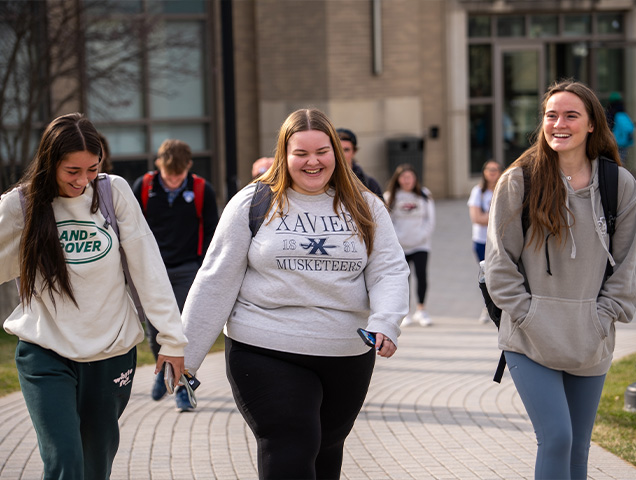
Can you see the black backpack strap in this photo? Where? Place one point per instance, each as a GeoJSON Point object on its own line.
{"type": "Point", "coordinates": [608, 186]}
{"type": "Point", "coordinates": [259, 207]}
{"type": "Point", "coordinates": [500, 368]}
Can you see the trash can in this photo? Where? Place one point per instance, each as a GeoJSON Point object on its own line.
{"type": "Point", "coordinates": [406, 150]}
{"type": "Point", "coordinates": [630, 398]}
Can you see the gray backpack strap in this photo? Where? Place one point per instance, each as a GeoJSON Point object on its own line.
{"type": "Point", "coordinates": [107, 208]}
{"type": "Point", "coordinates": [23, 205]}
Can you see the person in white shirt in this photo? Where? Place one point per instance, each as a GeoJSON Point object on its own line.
{"type": "Point", "coordinates": [413, 215]}
{"type": "Point", "coordinates": [479, 208]}
{"type": "Point", "coordinates": [324, 262]}
{"type": "Point", "coordinates": [77, 325]}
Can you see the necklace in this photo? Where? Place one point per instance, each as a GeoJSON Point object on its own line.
{"type": "Point", "coordinates": [569, 177]}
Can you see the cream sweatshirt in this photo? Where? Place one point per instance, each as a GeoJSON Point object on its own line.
{"type": "Point", "coordinates": [105, 322]}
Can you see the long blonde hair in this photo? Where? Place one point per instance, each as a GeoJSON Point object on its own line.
{"type": "Point", "coordinates": [546, 202]}
{"type": "Point", "coordinates": [348, 188]}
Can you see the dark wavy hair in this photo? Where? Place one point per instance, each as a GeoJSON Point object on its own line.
{"type": "Point", "coordinates": [546, 206]}
{"type": "Point", "coordinates": [40, 249]}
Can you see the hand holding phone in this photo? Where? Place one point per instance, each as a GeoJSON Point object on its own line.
{"type": "Point", "coordinates": [367, 337]}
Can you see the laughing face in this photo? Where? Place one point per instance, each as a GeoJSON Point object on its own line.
{"type": "Point", "coordinates": [566, 124]}
{"type": "Point", "coordinates": [75, 171]}
{"type": "Point", "coordinates": [311, 161]}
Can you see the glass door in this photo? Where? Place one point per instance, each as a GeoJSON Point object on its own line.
{"type": "Point", "coordinates": [518, 88]}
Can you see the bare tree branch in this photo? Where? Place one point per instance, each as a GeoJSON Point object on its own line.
{"type": "Point", "coordinates": [47, 65]}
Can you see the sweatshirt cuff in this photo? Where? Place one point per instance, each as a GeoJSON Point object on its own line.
{"type": "Point", "coordinates": [171, 351]}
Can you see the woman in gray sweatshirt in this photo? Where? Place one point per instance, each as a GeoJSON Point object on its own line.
{"type": "Point", "coordinates": [325, 262]}
{"type": "Point", "coordinates": [559, 309]}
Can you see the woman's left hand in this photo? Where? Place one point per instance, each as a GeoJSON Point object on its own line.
{"type": "Point", "coordinates": [387, 347]}
{"type": "Point", "coordinates": [177, 364]}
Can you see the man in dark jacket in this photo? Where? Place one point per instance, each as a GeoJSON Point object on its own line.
{"type": "Point", "coordinates": [181, 211]}
{"type": "Point", "coordinates": [350, 147]}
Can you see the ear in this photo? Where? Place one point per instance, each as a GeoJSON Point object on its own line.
{"type": "Point", "coordinates": [590, 128]}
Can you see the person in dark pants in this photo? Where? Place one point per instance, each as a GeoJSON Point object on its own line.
{"type": "Point", "coordinates": [77, 326]}
{"type": "Point", "coordinates": [292, 298]}
{"type": "Point", "coordinates": [349, 143]}
{"type": "Point", "coordinates": [182, 216]}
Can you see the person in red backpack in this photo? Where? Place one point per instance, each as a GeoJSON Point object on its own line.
{"type": "Point", "coordinates": [181, 210]}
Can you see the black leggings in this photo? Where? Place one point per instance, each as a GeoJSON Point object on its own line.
{"type": "Point", "coordinates": [419, 259]}
{"type": "Point", "coordinates": [300, 407]}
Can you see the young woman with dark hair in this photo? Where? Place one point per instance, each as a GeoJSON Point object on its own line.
{"type": "Point", "coordinates": [413, 216]}
{"type": "Point", "coordinates": [76, 323]}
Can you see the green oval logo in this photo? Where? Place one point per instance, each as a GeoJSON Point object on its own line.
{"type": "Point", "coordinates": [83, 242]}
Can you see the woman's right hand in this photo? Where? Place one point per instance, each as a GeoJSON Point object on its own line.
{"type": "Point", "coordinates": [387, 347]}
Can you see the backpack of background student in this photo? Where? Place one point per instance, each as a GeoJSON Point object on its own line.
{"type": "Point", "coordinates": [608, 186]}
{"type": "Point", "coordinates": [623, 130]}
{"type": "Point", "coordinates": [198, 188]}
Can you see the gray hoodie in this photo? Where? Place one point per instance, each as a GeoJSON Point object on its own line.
{"type": "Point", "coordinates": [567, 322]}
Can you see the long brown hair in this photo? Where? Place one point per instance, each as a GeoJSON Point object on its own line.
{"type": "Point", "coordinates": [348, 189]}
{"type": "Point", "coordinates": [394, 184]}
{"type": "Point", "coordinates": [40, 249]}
{"type": "Point", "coordinates": [546, 202]}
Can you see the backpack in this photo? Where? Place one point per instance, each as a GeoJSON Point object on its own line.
{"type": "Point", "coordinates": [261, 201]}
{"type": "Point", "coordinates": [608, 186]}
{"type": "Point", "coordinates": [623, 130]}
{"type": "Point", "coordinates": [198, 188]}
{"type": "Point", "coordinates": [107, 209]}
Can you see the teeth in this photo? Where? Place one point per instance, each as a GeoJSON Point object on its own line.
{"type": "Point", "coordinates": [312, 171]}
{"type": "Point", "coordinates": [561, 135]}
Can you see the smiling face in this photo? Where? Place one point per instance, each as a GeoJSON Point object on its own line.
{"type": "Point", "coordinates": [311, 161]}
{"type": "Point", "coordinates": [75, 171]}
{"type": "Point", "coordinates": [566, 124]}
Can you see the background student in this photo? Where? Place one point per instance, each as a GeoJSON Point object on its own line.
{"type": "Point", "coordinates": [181, 211]}
{"type": "Point", "coordinates": [413, 216]}
{"type": "Point", "coordinates": [479, 208]}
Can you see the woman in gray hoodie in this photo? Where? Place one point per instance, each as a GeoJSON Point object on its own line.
{"type": "Point", "coordinates": [559, 308]}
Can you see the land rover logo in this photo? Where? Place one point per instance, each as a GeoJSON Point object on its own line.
{"type": "Point", "coordinates": [83, 242]}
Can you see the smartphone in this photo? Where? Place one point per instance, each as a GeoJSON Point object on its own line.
{"type": "Point", "coordinates": [367, 337]}
{"type": "Point", "coordinates": [192, 381]}
{"type": "Point", "coordinates": [168, 376]}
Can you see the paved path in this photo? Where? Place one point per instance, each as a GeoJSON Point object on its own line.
{"type": "Point", "coordinates": [432, 411]}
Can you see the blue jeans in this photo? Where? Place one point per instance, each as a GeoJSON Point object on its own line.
{"type": "Point", "coordinates": [562, 409]}
{"type": "Point", "coordinates": [480, 250]}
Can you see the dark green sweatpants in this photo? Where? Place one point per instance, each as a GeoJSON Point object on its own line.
{"type": "Point", "coordinates": [75, 408]}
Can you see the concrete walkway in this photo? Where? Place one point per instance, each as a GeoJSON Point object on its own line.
{"type": "Point", "coordinates": [432, 411]}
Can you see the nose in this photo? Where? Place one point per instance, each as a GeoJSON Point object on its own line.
{"type": "Point", "coordinates": [82, 180]}
{"type": "Point", "coordinates": [558, 122]}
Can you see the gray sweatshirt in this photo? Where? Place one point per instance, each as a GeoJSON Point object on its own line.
{"type": "Point", "coordinates": [303, 284]}
{"type": "Point", "coordinates": [567, 321]}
